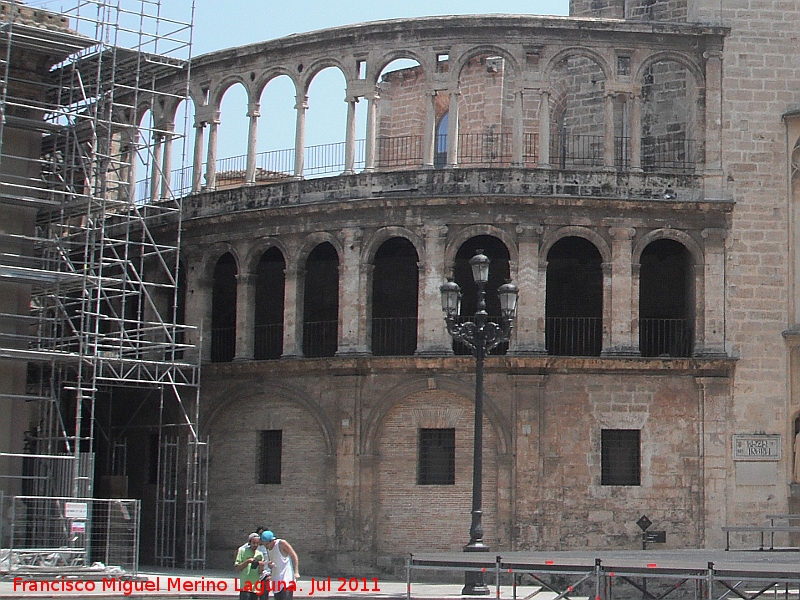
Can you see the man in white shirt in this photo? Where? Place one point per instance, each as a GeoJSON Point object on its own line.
{"type": "Point", "coordinates": [284, 565]}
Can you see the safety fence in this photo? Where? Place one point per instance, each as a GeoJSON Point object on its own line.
{"type": "Point", "coordinates": [47, 534]}
{"type": "Point", "coordinates": [628, 576]}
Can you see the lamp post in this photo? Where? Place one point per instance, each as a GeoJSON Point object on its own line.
{"type": "Point", "coordinates": [481, 335]}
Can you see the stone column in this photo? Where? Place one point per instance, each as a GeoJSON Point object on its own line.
{"type": "Point", "coordinates": [253, 113]}
{"type": "Point", "coordinates": [518, 135]}
{"type": "Point", "coordinates": [198, 312]}
{"type": "Point", "coordinates": [350, 137]}
{"type": "Point", "coordinates": [365, 308]}
{"type": "Point", "coordinates": [245, 316]}
{"type": "Point", "coordinates": [452, 130]}
{"type": "Point", "coordinates": [372, 131]}
{"type": "Point", "coordinates": [293, 295]}
{"type": "Point", "coordinates": [544, 129]}
{"type": "Point", "coordinates": [349, 288]}
{"type": "Point", "coordinates": [130, 139]}
{"type": "Point", "coordinates": [530, 306]}
{"type": "Point", "coordinates": [608, 138]}
{"type": "Point", "coordinates": [712, 180]}
{"type": "Point", "coordinates": [713, 299]}
{"type": "Point", "coordinates": [301, 106]}
{"type": "Point", "coordinates": [211, 160]}
{"type": "Point", "coordinates": [197, 159]}
{"type": "Point", "coordinates": [622, 300]}
{"type": "Point", "coordinates": [607, 305]}
{"type": "Point", "coordinates": [429, 134]}
{"type": "Point", "coordinates": [166, 170]}
{"type": "Point", "coordinates": [432, 336]}
{"type": "Point", "coordinates": [636, 131]}
{"type": "Point", "coordinates": [155, 172]}
{"type": "Point", "coordinates": [713, 458]}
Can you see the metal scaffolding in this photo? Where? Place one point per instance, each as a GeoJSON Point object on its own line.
{"type": "Point", "coordinates": [90, 292]}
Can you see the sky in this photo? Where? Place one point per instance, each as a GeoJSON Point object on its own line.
{"type": "Point", "coordinates": [247, 21]}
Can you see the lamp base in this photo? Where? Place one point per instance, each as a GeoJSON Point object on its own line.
{"type": "Point", "coordinates": [474, 584]}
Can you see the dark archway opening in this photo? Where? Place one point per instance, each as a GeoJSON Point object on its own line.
{"type": "Point", "coordinates": [321, 302]}
{"type": "Point", "coordinates": [499, 273]}
{"type": "Point", "coordinates": [223, 310]}
{"type": "Point", "coordinates": [666, 305]}
{"type": "Point", "coordinates": [270, 280]}
{"type": "Point", "coordinates": [574, 306]}
{"type": "Point", "coordinates": [395, 283]}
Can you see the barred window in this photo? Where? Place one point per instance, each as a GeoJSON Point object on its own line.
{"type": "Point", "coordinates": [437, 457]}
{"type": "Point", "coordinates": [620, 457]}
{"type": "Point", "coordinates": [269, 456]}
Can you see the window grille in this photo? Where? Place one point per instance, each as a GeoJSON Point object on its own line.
{"type": "Point", "coordinates": [620, 457]}
{"type": "Point", "coordinates": [437, 457]}
{"type": "Point", "coordinates": [270, 450]}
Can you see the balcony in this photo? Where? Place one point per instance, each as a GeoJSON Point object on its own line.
{"type": "Point", "coordinates": [667, 160]}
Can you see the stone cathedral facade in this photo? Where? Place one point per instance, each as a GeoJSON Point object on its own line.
{"type": "Point", "coordinates": [632, 168]}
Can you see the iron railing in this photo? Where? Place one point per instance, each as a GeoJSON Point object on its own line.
{"type": "Point", "coordinates": [394, 336]}
{"type": "Point", "coordinates": [320, 338]}
{"type": "Point", "coordinates": [669, 152]}
{"type": "Point", "coordinates": [223, 344]}
{"type": "Point", "coordinates": [574, 336]}
{"type": "Point", "coordinates": [268, 343]}
{"type": "Point", "coordinates": [484, 149]}
{"type": "Point", "coordinates": [577, 151]}
{"type": "Point", "coordinates": [474, 149]}
{"type": "Point", "coordinates": [401, 151]}
{"type": "Point", "coordinates": [665, 337]}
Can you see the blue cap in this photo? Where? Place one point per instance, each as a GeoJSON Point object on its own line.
{"type": "Point", "coordinates": [267, 536]}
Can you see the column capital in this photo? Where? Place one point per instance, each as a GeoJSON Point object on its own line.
{"type": "Point", "coordinates": [622, 233]}
{"type": "Point", "coordinates": [714, 235]}
{"type": "Point", "coordinates": [529, 233]}
{"type": "Point", "coordinates": [301, 102]}
{"type": "Point", "coordinates": [350, 234]}
{"type": "Point", "coordinates": [254, 109]}
{"type": "Point", "coordinates": [432, 230]}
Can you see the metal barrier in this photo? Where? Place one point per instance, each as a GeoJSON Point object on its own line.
{"type": "Point", "coordinates": [67, 534]}
{"type": "Point", "coordinates": [648, 575]}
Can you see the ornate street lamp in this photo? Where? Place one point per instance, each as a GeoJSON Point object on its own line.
{"type": "Point", "coordinates": [481, 335]}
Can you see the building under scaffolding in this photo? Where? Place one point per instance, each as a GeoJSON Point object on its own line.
{"type": "Point", "coordinates": [98, 380]}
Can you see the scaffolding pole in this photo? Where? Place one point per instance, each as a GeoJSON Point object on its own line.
{"type": "Point", "coordinates": [89, 100]}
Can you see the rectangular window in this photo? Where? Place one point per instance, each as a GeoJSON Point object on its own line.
{"type": "Point", "coordinates": [620, 457]}
{"type": "Point", "coordinates": [269, 456]}
{"type": "Point", "coordinates": [437, 457]}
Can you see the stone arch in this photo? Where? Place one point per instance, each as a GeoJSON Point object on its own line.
{"type": "Point", "coordinates": [221, 88]}
{"type": "Point", "coordinates": [313, 240]}
{"type": "Point", "coordinates": [264, 79]}
{"type": "Point", "coordinates": [668, 234]}
{"type": "Point", "coordinates": [671, 56]}
{"type": "Point", "coordinates": [385, 233]}
{"type": "Point", "coordinates": [386, 59]}
{"type": "Point", "coordinates": [253, 256]}
{"type": "Point", "coordinates": [307, 463]}
{"type": "Point", "coordinates": [372, 425]}
{"type": "Point", "coordinates": [393, 470]}
{"type": "Point", "coordinates": [486, 50]}
{"type": "Point", "coordinates": [213, 253]}
{"type": "Point", "coordinates": [575, 51]}
{"type": "Point", "coordinates": [576, 231]}
{"type": "Point", "coordinates": [319, 65]}
{"type": "Point", "coordinates": [472, 231]}
{"type": "Point", "coordinates": [287, 393]}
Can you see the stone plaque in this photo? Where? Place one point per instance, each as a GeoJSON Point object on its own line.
{"type": "Point", "coordinates": [756, 446]}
